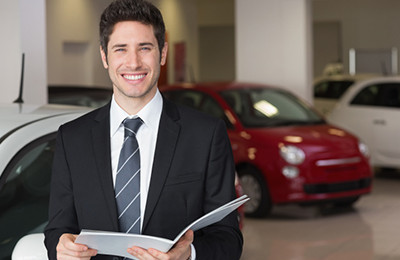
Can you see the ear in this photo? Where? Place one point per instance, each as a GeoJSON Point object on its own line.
{"type": "Point", "coordinates": [103, 58]}
{"type": "Point", "coordinates": [164, 54]}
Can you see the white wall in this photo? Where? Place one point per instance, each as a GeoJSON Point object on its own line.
{"type": "Point", "coordinates": [216, 20]}
{"type": "Point", "coordinates": [33, 39]}
{"type": "Point", "coordinates": [23, 27]}
{"type": "Point", "coordinates": [10, 50]}
{"type": "Point", "coordinates": [273, 43]}
{"type": "Point", "coordinates": [73, 43]}
{"type": "Point", "coordinates": [216, 13]}
{"type": "Point", "coordinates": [180, 18]}
{"type": "Point", "coordinates": [366, 24]}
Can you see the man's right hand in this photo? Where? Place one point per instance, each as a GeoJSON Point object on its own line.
{"type": "Point", "coordinates": [67, 249]}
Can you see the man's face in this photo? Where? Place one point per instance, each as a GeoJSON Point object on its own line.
{"type": "Point", "coordinates": [133, 61]}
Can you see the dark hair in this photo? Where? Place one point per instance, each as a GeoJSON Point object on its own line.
{"type": "Point", "coordinates": [131, 10]}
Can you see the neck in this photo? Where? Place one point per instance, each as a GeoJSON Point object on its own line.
{"type": "Point", "coordinates": [132, 105]}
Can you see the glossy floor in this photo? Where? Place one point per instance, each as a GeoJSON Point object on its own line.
{"type": "Point", "coordinates": [370, 230]}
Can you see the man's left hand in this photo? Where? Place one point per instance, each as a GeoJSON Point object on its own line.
{"type": "Point", "coordinates": [181, 250]}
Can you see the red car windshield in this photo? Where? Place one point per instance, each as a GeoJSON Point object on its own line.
{"type": "Point", "coordinates": [259, 107]}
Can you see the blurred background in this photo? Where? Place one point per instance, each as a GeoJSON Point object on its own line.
{"type": "Point", "coordinates": [316, 49]}
{"type": "Point", "coordinates": [268, 41]}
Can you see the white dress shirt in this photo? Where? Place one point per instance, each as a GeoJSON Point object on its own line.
{"type": "Point", "coordinates": [146, 137]}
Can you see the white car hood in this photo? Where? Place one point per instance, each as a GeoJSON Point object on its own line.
{"type": "Point", "coordinates": [15, 115]}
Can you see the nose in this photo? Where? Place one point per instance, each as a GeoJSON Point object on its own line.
{"type": "Point", "coordinates": [133, 60]}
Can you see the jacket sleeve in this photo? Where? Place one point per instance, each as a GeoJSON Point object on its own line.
{"type": "Point", "coordinates": [222, 240]}
{"type": "Point", "coordinates": [62, 215]}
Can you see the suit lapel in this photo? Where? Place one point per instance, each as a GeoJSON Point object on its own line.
{"type": "Point", "coordinates": [102, 153]}
{"type": "Point", "coordinates": [166, 141]}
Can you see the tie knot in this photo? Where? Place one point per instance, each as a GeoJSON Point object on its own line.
{"type": "Point", "coordinates": [132, 125]}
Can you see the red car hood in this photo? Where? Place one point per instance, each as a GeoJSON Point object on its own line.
{"type": "Point", "coordinates": [314, 139]}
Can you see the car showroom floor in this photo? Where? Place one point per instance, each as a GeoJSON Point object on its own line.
{"type": "Point", "coordinates": [369, 230]}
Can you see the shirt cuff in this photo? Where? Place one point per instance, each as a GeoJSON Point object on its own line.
{"type": "Point", "coordinates": [192, 252]}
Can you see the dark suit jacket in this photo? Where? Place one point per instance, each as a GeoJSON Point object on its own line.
{"type": "Point", "coordinates": [193, 173]}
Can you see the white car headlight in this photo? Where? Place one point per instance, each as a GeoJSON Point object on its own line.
{"type": "Point", "coordinates": [363, 149]}
{"type": "Point", "coordinates": [292, 154]}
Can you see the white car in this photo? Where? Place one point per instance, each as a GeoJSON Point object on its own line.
{"type": "Point", "coordinates": [370, 109]}
{"type": "Point", "coordinates": [328, 89]}
{"type": "Point", "coordinates": [27, 140]}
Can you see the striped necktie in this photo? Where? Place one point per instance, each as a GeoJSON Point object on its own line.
{"type": "Point", "coordinates": [127, 184]}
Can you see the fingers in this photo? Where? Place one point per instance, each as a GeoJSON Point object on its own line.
{"type": "Point", "coordinates": [150, 254]}
{"type": "Point", "coordinates": [68, 249]}
{"type": "Point", "coordinates": [184, 242]}
{"type": "Point", "coordinates": [187, 238]}
{"type": "Point", "coordinates": [141, 253]}
{"type": "Point", "coordinates": [181, 250]}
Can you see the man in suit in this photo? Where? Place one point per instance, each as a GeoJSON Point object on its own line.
{"type": "Point", "coordinates": [186, 163]}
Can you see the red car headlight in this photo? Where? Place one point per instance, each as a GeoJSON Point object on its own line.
{"type": "Point", "coordinates": [363, 149]}
{"type": "Point", "coordinates": [292, 154]}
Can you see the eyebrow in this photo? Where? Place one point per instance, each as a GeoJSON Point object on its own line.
{"type": "Point", "coordinates": [118, 46]}
{"type": "Point", "coordinates": [146, 43]}
{"type": "Point", "coordinates": [122, 45]}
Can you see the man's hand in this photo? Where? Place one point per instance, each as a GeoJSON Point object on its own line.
{"type": "Point", "coordinates": [181, 251]}
{"type": "Point", "coordinates": [67, 249]}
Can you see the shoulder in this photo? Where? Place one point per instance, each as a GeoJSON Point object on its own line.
{"type": "Point", "coordinates": [185, 115]}
{"type": "Point", "coordinates": [191, 120]}
{"type": "Point", "coordinates": [181, 112]}
{"type": "Point", "coordinates": [88, 120]}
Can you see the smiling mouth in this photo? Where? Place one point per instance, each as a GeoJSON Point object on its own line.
{"type": "Point", "coordinates": [134, 77]}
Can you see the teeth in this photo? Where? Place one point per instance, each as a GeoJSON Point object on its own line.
{"type": "Point", "coordinates": [134, 77]}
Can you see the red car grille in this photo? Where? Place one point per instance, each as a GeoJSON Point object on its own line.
{"type": "Point", "coordinates": [337, 170]}
{"type": "Point", "coordinates": [341, 169]}
{"type": "Point", "coordinates": [337, 187]}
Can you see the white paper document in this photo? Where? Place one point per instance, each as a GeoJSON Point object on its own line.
{"type": "Point", "coordinates": [116, 243]}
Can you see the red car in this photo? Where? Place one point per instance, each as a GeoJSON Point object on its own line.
{"type": "Point", "coordinates": [284, 151]}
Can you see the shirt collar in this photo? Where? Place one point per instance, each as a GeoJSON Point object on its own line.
{"type": "Point", "coordinates": [150, 114]}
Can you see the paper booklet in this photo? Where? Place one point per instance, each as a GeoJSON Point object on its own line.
{"type": "Point", "coordinates": [116, 243]}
